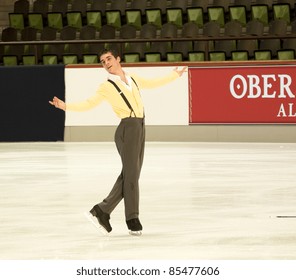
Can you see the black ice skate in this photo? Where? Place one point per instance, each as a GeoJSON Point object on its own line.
{"type": "Point", "coordinates": [134, 226]}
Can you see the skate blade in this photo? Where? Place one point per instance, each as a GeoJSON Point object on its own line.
{"type": "Point", "coordinates": [94, 222]}
{"type": "Point", "coordinates": [135, 233]}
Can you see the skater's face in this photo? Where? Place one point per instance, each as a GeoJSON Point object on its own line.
{"type": "Point", "coordinates": [110, 63]}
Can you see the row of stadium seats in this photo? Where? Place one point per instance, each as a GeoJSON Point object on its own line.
{"type": "Point", "coordinates": [280, 24]}
{"type": "Point", "coordinates": [197, 26]}
{"type": "Point", "coordinates": [44, 6]}
{"type": "Point", "coordinates": [232, 28]}
{"type": "Point", "coordinates": [117, 17]}
{"type": "Point", "coordinates": [131, 51]}
{"type": "Point", "coordinates": [149, 57]}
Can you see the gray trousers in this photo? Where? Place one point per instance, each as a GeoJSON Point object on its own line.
{"type": "Point", "coordinates": [130, 143]}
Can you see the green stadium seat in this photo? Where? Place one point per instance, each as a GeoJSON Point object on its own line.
{"type": "Point", "coordinates": [216, 14]}
{"type": "Point", "coordinates": [152, 57]}
{"type": "Point", "coordinates": [281, 11]}
{"type": "Point", "coordinates": [239, 55]}
{"type": "Point", "coordinates": [113, 18]}
{"type": "Point", "coordinates": [49, 59]}
{"type": "Point", "coordinates": [94, 18]}
{"type": "Point", "coordinates": [55, 20]}
{"type": "Point", "coordinates": [262, 55]}
{"type": "Point", "coordinates": [217, 56]}
{"type": "Point", "coordinates": [131, 57]}
{"type": "Point", "coordinates": [35, 20]}
{"type": "Point", "coordinates": [70, 59]}
{"type": "Point", "coordinates": [10, 60]}
{"type": "Point", "coordinates": [195, 14]}
{"type": "Point", "coordinates": [16, 20]}
{"type": "Point", "coordinates": [154, 17]}
{"type": "Point", "coordinates": [239, 14]}
{"type": "Point", "coordinates": [74, 19]}
{"type": "Point", "coordinates": [134, 17]}
{"type": "Point", "coordinates": [90, 58]}
{"type": "Point", "coordinates": [174, 57]}
{"type": "Point", "coordinates": [29, 60]}
{"type": "Point", "coordinates": [286, 54]}
{"type": "Point", "coordinates": [175, 16]}
{"type": "Point", "coordinates": [260, 12]}
{"type": "Point", "coordinates": [196, 56]}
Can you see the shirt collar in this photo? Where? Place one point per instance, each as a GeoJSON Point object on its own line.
{"type": "Point", "coordinates": [116, 78]}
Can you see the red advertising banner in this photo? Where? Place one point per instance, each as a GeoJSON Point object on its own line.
{"type": "Point", "coordinates": [243, 94]}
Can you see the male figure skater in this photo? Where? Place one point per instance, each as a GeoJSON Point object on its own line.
{"type": "Point", "coordinates": [122, 91]}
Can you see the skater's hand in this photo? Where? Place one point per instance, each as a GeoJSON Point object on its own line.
{"type": "Point", "coordinates": [180, 72]}
{"type": "Point", "coordinates": [58, 103]}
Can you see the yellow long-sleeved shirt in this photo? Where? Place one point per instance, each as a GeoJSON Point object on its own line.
{"type": "Point", "coordinates": [108, 92]}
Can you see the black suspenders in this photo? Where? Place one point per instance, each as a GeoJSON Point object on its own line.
{"type": "Point", "coordinates": [123, 96]}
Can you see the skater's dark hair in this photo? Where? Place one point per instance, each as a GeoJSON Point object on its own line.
{"type": "Point", "coordinates": [114, 52]}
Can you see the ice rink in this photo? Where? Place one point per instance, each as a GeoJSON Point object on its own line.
{"type": "Point", "coordinates": [210, 201]}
